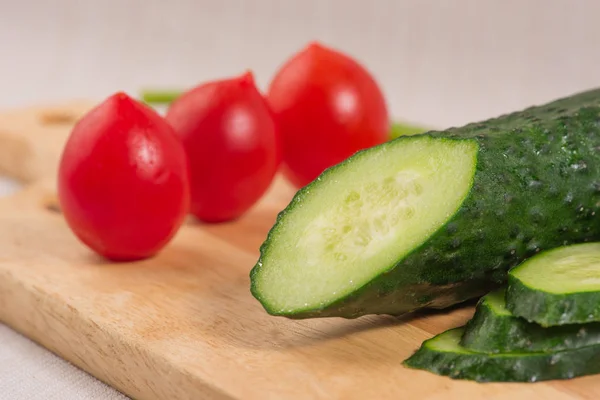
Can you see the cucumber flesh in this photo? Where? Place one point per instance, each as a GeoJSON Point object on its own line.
{"type": "Point", "coordinates": [557, 287]}
{"type": "Point", "coordinates": [493, 329]}
{"type": "Point", "coordinates": [359, 218]}
{"type": "Point", "coordinates": [443, 355]}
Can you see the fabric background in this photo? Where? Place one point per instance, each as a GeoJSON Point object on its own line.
{"type": "Point", "coordinates": [29, 372]}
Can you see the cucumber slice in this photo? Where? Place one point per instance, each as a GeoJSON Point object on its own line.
{"type": "Point", "coordinates": [443, 355]}
{"type": "Point", "coordinates": [351, 227]}
{"type": "Point", "coordinates": [438, 218]}
{"type": "Point", "coordinates": [557, 287]}
{"type": "Point", "coordinates": [494, 329]}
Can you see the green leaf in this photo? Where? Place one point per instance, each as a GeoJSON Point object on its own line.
{"type": "Point", "coordinates": [159, 97]}
{"type": "Point", "coordinates": [404, 129]}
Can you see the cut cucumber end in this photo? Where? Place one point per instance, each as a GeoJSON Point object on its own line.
{"type": "Point", "coordinates": [563, 270]}
{"type": "Point", "coordinates": [359, 219]}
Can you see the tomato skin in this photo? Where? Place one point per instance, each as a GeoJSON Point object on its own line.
{"type": "Point", "coordinates": [327, 107]}
{"type": "Point", "coordinates": [123, 180]}
{"type": "Point", "coordinates": [231, 141]}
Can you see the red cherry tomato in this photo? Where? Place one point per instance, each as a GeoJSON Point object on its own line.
{"type": "Point", "coordinates": [230, 138]}
{"type": "Point", "coordinates": [327, 107]}
{"type": "Point", "coordinates": [124, 180]}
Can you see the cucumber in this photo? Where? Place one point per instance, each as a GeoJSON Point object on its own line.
{"type": "Point", "coordinates": [493, 329]}
{"type": "Point", "coordinates": [557, 287]}
{"type": "Point", "coordinates": [434, 219]}
{"type": "Point", "coordinates": [443, 355]}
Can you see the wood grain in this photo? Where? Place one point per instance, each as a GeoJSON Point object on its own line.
{"type": "Point", "coordinates": [183, 325]}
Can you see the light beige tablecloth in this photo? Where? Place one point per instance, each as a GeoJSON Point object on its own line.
{"type": "Point", "coordinates": [29, 372]}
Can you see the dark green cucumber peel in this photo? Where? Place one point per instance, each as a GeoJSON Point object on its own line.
{"type": "Point", "coordinates": [559, 291]}
{"type": "Point", "coordinates": [493, 329]}
{"type": "Point", "coordinates": [536, 187]}
{"type": "Point", "coordinates": [547, 309]}
{"type": "Point", "coordinates": [443, 355]}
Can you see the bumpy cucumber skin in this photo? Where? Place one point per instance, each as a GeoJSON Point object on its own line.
{"type": "Point", "coordinates": [537, 186]}
{"type": "Point", "coordinates": [515, 367]}
{"type": "Point", "coordinates": [549, 309]}
{"type": "Point", "coordinates": [489, 332]}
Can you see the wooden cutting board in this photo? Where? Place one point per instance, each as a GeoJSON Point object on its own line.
{"type": "Point", "coordinates": [183, 325]}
